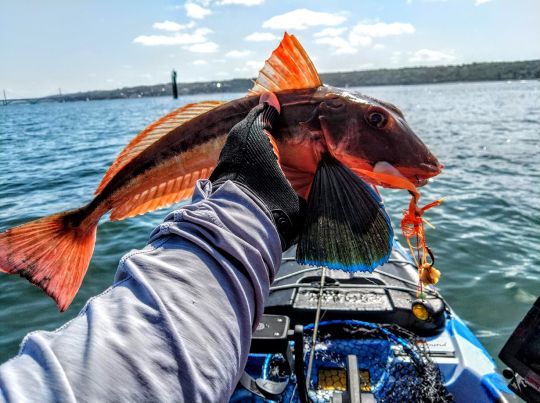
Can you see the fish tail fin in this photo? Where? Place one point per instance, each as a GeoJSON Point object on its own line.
{"type": "Point", "coordinates": [53, 253]}
{"type": "Point", "coordinates": [346, 226]}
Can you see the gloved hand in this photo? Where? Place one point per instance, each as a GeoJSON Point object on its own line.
{"type": "Point", "coordinates": [248, 160]}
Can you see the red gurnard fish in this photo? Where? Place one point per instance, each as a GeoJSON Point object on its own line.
{"type": "Point", "coordinates": [161, 164]}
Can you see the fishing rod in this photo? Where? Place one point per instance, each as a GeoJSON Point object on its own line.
{"type": "Point", "coordinates": [315, 327]}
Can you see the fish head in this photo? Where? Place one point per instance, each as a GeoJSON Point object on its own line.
{"type": "Point", "coordinates": [366, 133]}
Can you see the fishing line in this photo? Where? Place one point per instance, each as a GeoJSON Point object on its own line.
{"type": "Point", "coordinates": [293, 392]}
{"type": "Point", "coordinates": [296, 273]}
{"type": "Point", "coordinates": [316, 327]}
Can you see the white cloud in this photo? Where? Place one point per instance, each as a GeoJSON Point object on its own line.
{"type": "Point", "coordinates": [241, 2]}
{"type": "Point", "coordinates": [172, 26]}
{"type": "Point", "coordinates": [428, 1]}
{"type": "Point", "coordinates": [195, 11]}
{"type": "Point", "coordinates": [361, 35]}
{"type": "Point", "coordinates": [382, 29]}
{"type": "Point", "coordinates": [396, 57]}
{"type": "Point", "coordinates": [303, 18]}
{"type": "Point", "coordinates": [343, 47]}
{"type": "Point", "coordinates": [200, 62]}
{"type": "Point", "coordinates": [261, 37]}
{"type": "Point", "coordinates": [198, 36]}
{"type": "Point", "coordinates": [250, 67]}
{"type": "Point", "coordinates": [476, 3]}
{"type": "Point", "coordinates": [359, 40]}
{"type": "Point", "coordinates": [164, 40]}
{"type": "Point", "coordinates": [204, 3]}
{"type": "Point", "coordinates": [255, 64]}
{"type": "Point", "coordinates": [236, 54]}
{"type": "Point", "coordinates": [205, 47]}
{"type": "Point", "coordinates": [330, 32]}
{"type": "Point", "coordinates": [209, 3]}
{"type": "Point", "coordinates": [432, 56]}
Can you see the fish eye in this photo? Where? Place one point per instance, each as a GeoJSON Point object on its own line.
{"type": "Point", "coordinates": [377, 119]}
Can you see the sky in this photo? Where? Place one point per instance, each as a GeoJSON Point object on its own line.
{"type": "Point", "coordinates": [78, 45]}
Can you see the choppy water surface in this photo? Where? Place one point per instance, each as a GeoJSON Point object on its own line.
{"type": "Point", "coordinates": [488, 230]}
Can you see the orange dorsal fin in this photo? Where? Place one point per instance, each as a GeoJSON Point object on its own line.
{"type": "Point", "coordinates": [288, 68]}
{"type": "Point", "coordinates": [154, 132]}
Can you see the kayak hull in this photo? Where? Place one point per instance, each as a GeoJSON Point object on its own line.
{"type": "Point", "coordinates": [379, 299]}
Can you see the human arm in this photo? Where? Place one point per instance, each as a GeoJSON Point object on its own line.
{"type": "Point", "coordinates": [177, 323]}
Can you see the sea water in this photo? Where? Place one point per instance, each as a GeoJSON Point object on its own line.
{"type": "Point", "coordinates": [487, 236]}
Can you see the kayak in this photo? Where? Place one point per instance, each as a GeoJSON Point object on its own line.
{"type": "Point", "coordinates": [331, 336]}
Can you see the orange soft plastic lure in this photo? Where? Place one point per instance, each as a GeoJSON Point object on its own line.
{"type": "Point", "coordinates": [412, 225]}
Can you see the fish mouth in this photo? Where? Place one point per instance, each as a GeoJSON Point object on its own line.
{"type": "Point", "coordinates": [419, 182]}
{"type": "Point", "coordinates": [418, 176]}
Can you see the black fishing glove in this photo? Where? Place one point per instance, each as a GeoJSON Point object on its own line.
{"type": "Point", "coordinates": [249, 160]}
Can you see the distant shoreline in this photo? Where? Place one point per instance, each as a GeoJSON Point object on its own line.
{"type": "Point", "coordinates": [491, 71]}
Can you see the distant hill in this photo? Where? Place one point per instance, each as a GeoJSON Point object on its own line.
{"type": "Point", "coordinates": [523, 70]}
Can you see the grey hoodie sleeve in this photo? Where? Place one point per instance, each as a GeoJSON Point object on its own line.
{"type": "Point", "coordinates": [177, 323]}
